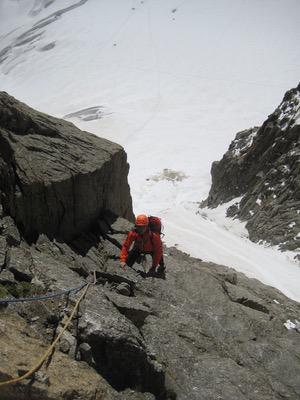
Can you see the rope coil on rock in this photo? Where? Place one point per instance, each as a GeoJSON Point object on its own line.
{"type": "Point", "coordinates": [52, 346]}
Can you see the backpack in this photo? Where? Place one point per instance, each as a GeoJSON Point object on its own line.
{"type": "Point", "coordinates": [155, 224]}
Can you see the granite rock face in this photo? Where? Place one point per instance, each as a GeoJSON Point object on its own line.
{"type": "Point", "coordinates": [203, 332]}
{"type": "Point", "coordinates": [262, 166]}
{"type": "Point", "coordinates": [54, 178]}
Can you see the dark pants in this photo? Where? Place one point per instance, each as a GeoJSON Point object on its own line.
{"type": "Point", "coordinates": [136, 256]}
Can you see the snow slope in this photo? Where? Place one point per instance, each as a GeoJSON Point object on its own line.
{"type": "Point", "coordinates": [172, 81]}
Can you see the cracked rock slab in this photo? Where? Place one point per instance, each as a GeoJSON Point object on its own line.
{"type": "Point", "coordinates": [243, 296]}
{"type": "Point", "coordinates": [130, 307]}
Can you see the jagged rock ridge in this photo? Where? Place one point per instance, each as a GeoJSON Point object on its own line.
{"type": "Point", "coordinates": [262, 165]}
{"type": "Point", "coordinates": [204, 332]}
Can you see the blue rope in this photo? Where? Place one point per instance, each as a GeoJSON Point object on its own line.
{"type": "Point", "coordinates": [43, 297]}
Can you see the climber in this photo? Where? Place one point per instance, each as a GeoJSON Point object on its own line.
{"type": "Point", "coordinates": [144, 241]}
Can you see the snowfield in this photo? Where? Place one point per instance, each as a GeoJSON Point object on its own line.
{"type": "Point", "coordinates": [171, 81]}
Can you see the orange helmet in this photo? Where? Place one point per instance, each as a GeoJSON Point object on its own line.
{"type": "Point", "coordinates": [141, 220]}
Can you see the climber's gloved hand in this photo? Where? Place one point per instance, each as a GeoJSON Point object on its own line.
{"type": "Point", "coordinates": [122, 265]}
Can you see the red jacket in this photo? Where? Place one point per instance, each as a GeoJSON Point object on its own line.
{"type": "Point", "coordinates": [148, 242]}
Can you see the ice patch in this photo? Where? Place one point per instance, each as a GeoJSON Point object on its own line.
{"type": "Point", "coordinates": [290, 112]}
{"type": "Point", "coordinates": [286, 167]}
{"type": "Point", "coordinates": [289, 325]}
{"type": "Point", "coordinates": [292, 325]}
{"type": "Point", "coordinates": [238, 148]}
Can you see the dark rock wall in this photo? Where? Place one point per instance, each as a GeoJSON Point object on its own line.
{"type": "Point", "coordinates": [54, 178]}
{"type": "Point", "coordinates": [263, 166]}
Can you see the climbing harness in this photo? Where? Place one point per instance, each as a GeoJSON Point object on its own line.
{"type": "Point", "coordinates": [52, 346]}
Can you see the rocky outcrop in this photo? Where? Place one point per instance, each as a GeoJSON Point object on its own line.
{"type": "Point", "coordinates": [205, 331]}
{"type": "Point", "coordinates": [54, 178]}
{"type": "Point", "coordinates": [262, 166]}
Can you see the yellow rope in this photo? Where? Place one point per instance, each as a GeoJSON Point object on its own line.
{"type": "Point", "coordinates": [51, 348]}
